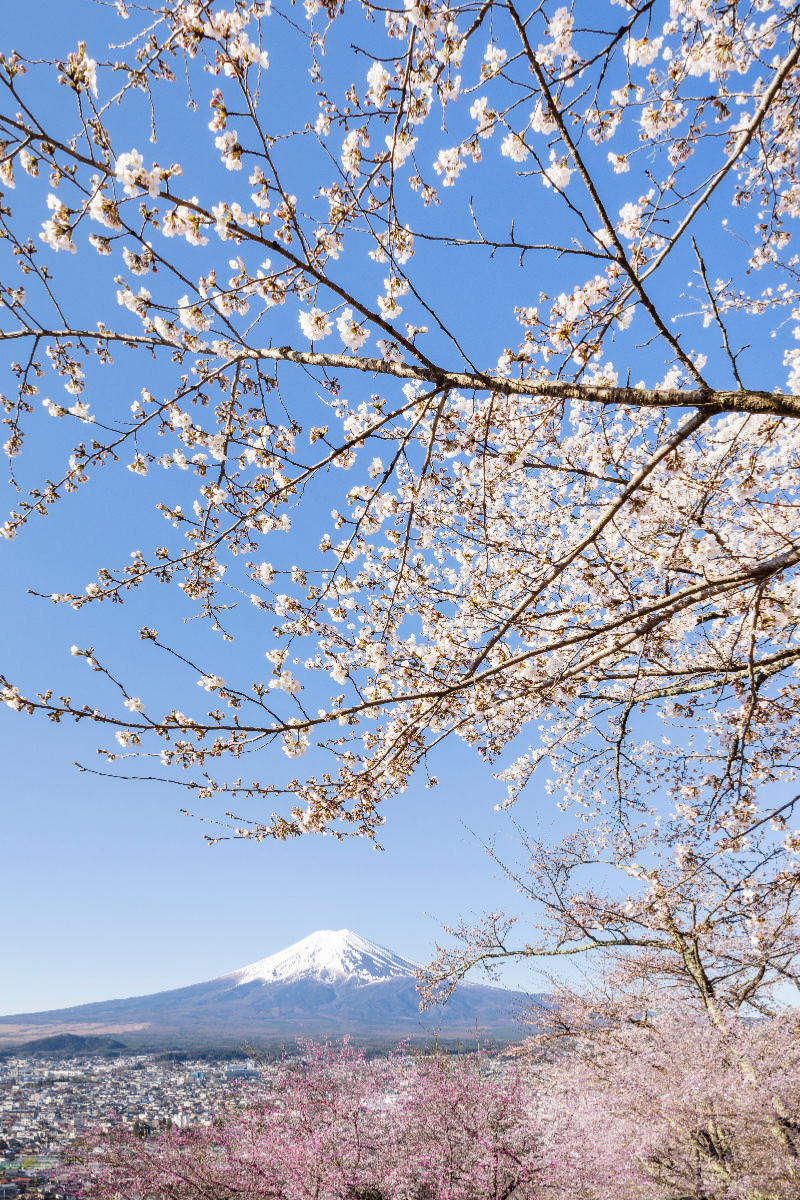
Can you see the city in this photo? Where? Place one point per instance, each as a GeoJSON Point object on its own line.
{"type": "Point", "coordinates": [48, 1103]}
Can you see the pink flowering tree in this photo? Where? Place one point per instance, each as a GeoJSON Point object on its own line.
{"type": "Point", "coordinates": [335, 1127]}
{"type": "Point", "coordinates": [463, 1132]}
{"type": "Point", "coordinates": [663, 1109]}
{"type": "Point", "coordinates": [672, 1070]}
{"type": "Point", "coordinates": [676, 1108]}
{"type": "Point", "coordinates": [493, 284]}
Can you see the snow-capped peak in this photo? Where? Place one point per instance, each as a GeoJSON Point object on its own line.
{"type": "Point", "coordinates": [332, 955]}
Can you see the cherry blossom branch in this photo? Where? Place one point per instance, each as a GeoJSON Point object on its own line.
{"type": "Point", "coordinates": [709, 401]}
{"type": "Point", "coordinates": [742, 142]}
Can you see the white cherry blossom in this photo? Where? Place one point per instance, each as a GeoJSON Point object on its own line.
{"type": "Point", "coordinates": [315, 324]}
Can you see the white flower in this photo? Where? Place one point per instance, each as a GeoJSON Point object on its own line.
{"type": "Point", "coordinates": [57, 232]}
{"type": "Point", "coordinates": [352, 334]}
{"type": "Point", "coordinates": [423, 15]}
{"type": "Point", "coordinates": [139, 464]}
{"type": "Point", "coordinates": [81, 411]}
{"type": "Point", "coordinates": [450, 164]}
{"type": "Point", "coordinates": [493, 60]}
{"type": "Point", "coordinates": [230, 150]}
{"type": "Point", "coordinates": [390, 352]}
{"type": "Point", "coordinates": [558, 174]}
{"type": "Point", "coordinates": [104, 210]}
{"type": "Point", "coordinates": [221, 25]}
{"type": "Point", "coordinates": [134, 704]}
{"type": "Point", "coordinates": [400, 147]}
{"type": "Point", "coordinates": [514, 148]}
{"type": "Point", "coordinates": [138, 304]}
{"type": "Point", "coordinates": [179, 419]}
{"type": "Point", "coordinates": [138, 264]}
{"type": "Point", "coordinates": [10, 695]}
{"type": "Point", "coordinates": [388, 304]}
{"type": "Point", "coordinates": [29, 162]}
{"type": "Point", "coordinates": [131, 174]}
{"type": "Point", "coordinates": [351, 151]}
{"type": "Point", "coordinates": [658, 119]}
{"type": "Point", "coordinates": [630, 222]}
{"type": "Point", "coordinates": [328, 243]}
{"type": "Point", "coordinates": [285, 682]}
{"type": "Point", "coordinates": [315, 324]}
{"type": "Point", "coordinates": [295, 744]}
{"type": "Point", "coordinates": [80, 71]}
{"type": "Point", "coordinates": [181, 221]}
{"type": "Point", "coordinates": [541, 119]}
{"type": "Point", "coordinates": [619, 162]}
{"type": "Point", "coordinates": [127, 737]}
{"type": "Point", "coordinates": [261, 197]}
{"type": "Point", "coordinates": [378, 79]}
{"type": "Point", "coordinates": [559, 29]}
{"type": "Point", "coordinates": [643, 52]}
{"type": "Point", "coordinates": [210, 683]}
{"type": "Point", "coordinates": [192, 316]}
{"type": "Point", "coordinates": [246, 54]}
{"type": "Point", "coordinates": [485, 117]}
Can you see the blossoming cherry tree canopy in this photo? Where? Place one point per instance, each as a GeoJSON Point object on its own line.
{"type": "Point", "coordinates": [644, 1115]}
{"type": "Point", "coordinates": [513, 292]}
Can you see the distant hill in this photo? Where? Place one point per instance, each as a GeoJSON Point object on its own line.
{"type": "Point", "coordinates": [68, 1044]}
{"type": "Point", "coordinates": [330, 983]}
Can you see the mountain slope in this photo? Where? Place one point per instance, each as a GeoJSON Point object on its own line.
{"type": "Point", "coordinates": [329, 983]}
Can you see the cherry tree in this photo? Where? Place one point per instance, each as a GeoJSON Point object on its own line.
{"type": "Point", "coordinates": [670, 1069]}
{"type": "Point", "coordinates": [494, 283]}
{"type": "Point", "coordinates": [663, 1109]}
{"type": "Point", "coordinates": [683, 918]}
{"type": "Point", "coordinates": [333, 1127]}
{"type": "Point", "coordinates": [673, 1108]}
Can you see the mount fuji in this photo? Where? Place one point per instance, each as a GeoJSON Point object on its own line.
{"type": "Point", "coordinates": [329, 983]}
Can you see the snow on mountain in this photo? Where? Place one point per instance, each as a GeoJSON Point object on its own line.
{"type": "Point", "coordinates": [331, 955]}
{"type": "Point", "coordinates": [328, 984]}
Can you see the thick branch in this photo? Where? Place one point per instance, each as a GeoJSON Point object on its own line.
{"type": "Point", "coordinates": [776, 404]}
